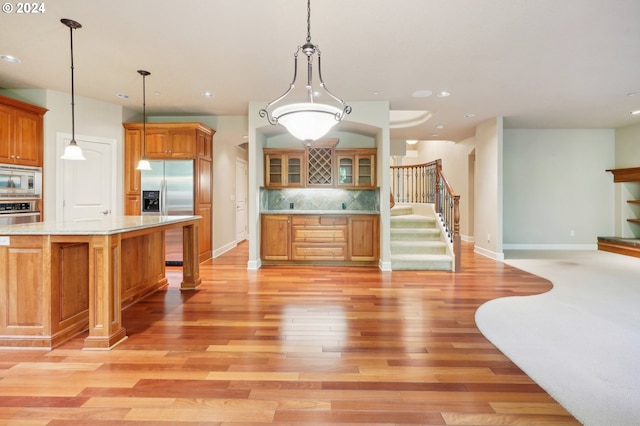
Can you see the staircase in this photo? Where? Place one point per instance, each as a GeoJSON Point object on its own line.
{"type": "Point", "coordinates": [417, 240]}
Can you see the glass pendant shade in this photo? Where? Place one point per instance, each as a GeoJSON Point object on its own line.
{"type": "Point", "coordinates": [144, 165]}
{"type": "Point", "coordinates": [307, 121]}
{"type": "Point", "coordinates": [72, 152]}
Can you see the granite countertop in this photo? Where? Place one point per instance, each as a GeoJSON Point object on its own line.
{"type": "Point", "coordinates": [339, 212]}
{"type": "Point", "coordinates": [107, 225]}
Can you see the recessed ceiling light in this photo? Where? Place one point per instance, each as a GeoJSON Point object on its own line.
{"type": "Point", "coordinates": [422, 93]}
{"type": "Point", "coordinates": [434, 135]}
{"type": "Point", "coordinates": [376, 93]}
{"type": "Point", "coordinates": [440, 126]}
{"type": "Point", "coordinates": [9, 58]}
{"type": "Point", "coordinates": [443, 94]}
{"type": "Point", "coordinates": [412, 141]}
{"type": "Point", "coordinates": [208, 95]}
{"type": "Point", "coordinates": [157, 93]}
{"type": "Point", "coordinates": [636, 112]}
{"type": "Point", "coordinates": [470, 115]}
{"type": "Point", "coordinates": [122, 95]}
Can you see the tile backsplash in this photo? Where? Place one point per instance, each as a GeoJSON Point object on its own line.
{"type": "Point", "coordinates": [319, 199]}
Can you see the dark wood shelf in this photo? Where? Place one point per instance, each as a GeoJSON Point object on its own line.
{"type": "Point", "coordinates": [631, 174]}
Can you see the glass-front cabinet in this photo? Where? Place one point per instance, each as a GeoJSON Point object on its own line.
{"type": "Point", "coordinates": [283, 169]}
{"type": "Point", "coordinates": [356, 168]}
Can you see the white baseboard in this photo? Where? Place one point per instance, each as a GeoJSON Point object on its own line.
{"type": "Point", "coordinates": [222, 250]}
{"type": "Point", "coordinates": [488, 253]}
{"type": "Point", "coordinates": [384, 266]}
{"type": "Point", "coordinates": [254, 265]}
{"type": "Point", "coordinates": [550, 246]}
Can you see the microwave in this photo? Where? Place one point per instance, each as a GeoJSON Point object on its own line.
{"type": "Point", "coordinates": [20, 181]}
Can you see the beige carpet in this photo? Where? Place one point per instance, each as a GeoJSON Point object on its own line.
{"type": "Point", "coordinates": [581, 340]}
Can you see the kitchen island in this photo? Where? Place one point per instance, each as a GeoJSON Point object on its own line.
{"type": "Point", "coordinates": [59, 278]}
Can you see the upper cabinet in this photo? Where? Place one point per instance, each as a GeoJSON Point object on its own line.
{"type": "Point", "coordinates": [320, 167]}
{"type": "Point", "coordinates": [165, 143]}
{"type": "Point", "coordinates": [283, 168]}
{"type": "Point", "coordinates": [21, 132]}
{"type": "Point", "coordinates": [356, 168]}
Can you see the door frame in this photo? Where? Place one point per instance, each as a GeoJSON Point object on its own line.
{"type": "Point", "coordinates": [245, 164]}
{"type": "Point", "coordinates": [62, 140]}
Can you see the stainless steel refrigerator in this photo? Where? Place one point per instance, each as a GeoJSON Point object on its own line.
{"type": "Point", "coordinates": [168, 190]}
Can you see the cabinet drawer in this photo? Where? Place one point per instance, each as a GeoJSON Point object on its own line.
{"type": "Point", "coordinates": [314, 220]}
{"type": "Point", "coordinates": [321, 234]}
{"type": "Point", "coordinates": [319, 251]}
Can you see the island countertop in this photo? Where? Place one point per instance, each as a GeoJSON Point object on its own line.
{"type": "Point", "coordinates": [102, 226]}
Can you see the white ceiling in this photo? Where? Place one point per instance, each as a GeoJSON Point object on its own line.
{"type": "Point", "coordinates": [538, 63]}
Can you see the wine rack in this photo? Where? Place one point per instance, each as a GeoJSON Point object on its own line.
{"type": "Point", "coordinates": [320, 166]}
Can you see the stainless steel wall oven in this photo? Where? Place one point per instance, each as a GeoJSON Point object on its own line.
{"type": "Point", "coordinates": [20, 193]}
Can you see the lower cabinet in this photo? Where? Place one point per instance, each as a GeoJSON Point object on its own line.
{"type": "Point", "coordinates": [364, 237]}
{"type": "Point", "coordinates": [275, 237]}
{"type": "Point", "coordinates": [307, 237]}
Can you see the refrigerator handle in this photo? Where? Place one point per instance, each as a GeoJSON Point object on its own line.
{"type": "Point", "coordinates": [163, 197]}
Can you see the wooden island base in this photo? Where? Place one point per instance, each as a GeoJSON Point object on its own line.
{"type": "Point", "coordinates": [56, 283]}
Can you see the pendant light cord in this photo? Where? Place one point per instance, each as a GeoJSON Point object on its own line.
{"type": "Point", "coordinates": [144, 74]}
{"type": "Point", "coordinates": [73, 104]}
{"type": "Point", "coordinates": [308, 21]}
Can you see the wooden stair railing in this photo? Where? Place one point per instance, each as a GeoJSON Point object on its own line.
{"type": "Point", "coordinates": [426, 183]}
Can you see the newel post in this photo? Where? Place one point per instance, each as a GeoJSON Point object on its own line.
{"type": "Point", "coordinates": [456, 233]}
{"type": "Point", "coordinates": [438, 200]}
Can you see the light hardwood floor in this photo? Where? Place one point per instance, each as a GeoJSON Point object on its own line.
{"type": "Point", "coordinates": [292, 346]}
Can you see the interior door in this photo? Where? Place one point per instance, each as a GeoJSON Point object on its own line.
{"type": "Point", "coordinates": [241, 200]}
{"type": "Point", "coordinates": [88, 187]}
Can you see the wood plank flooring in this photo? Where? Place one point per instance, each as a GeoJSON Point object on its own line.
{"type": "Point", "coordinates": [292, 346]}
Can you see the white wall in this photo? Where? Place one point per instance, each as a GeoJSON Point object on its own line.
{"type": "Point", "coordinates": [488, 189]}
{"type": "Point", "coordinates": [555, 183]}
{"type": "Point", "coordinates": [627, 147]}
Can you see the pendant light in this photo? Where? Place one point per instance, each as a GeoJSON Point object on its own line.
{"type": "Point", "coordinates": [144, 164]}
{"type": "Point", "coordinates": [72, 151]}
{"type": "Point", "coordinates": [307, 121]}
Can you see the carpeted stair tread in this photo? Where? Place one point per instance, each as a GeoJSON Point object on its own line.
{"type": "Point", "coordinates": [418, 247]}
{"type": "Point", "coordinates": [412, 221]}
{"type": "Point", "coordinates": [412, 234]}
{"type": "Point", "coordinates": [421, 262]}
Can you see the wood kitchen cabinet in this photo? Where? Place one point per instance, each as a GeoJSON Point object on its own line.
{"type": "Point", "coordinates": [275, 237]}
{"type": "Point", "coordinates": [356, 168]}
{"type": "Point", "coordinates": [21, 132]}
{"type": "Point", "coordinates": [283, 168]}
{"type": "Point", "coordinates": [170, 143]}
{"type": "Point", "coordinates": [321, 166]}
{"type": "Point", "coordinates": [335, 239]}
{"type": "Point", "coordinates": [364, 237]}
{"type": "Point", "coordinates": [173, 141]}
{"type": "Point", "coordinates": [132, 155]}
